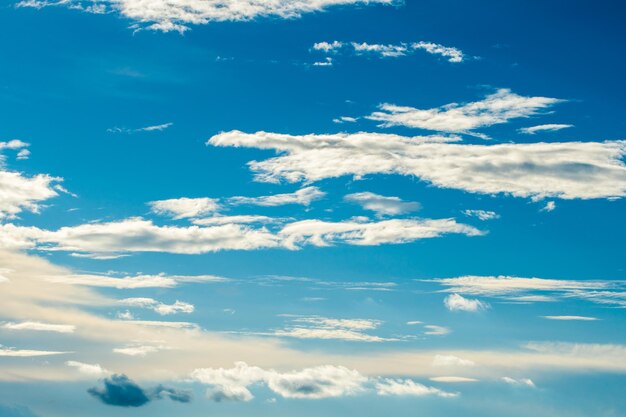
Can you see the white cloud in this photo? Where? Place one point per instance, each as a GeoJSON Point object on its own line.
{"type": "Point", "coordinates": [140, 350]}
{"type": "Point", "coordinates": [154, 128]}
{"type": "Point", "coordinates": [327, 62]}
{"type": "Point", "coordinates": [453, 54]}
{"type": "Point", "coordinates": [318, 382]}
{"type": "Point", "coordinates": [39, 326]}
{"type": "Point", "coordinates": [408, 387]}
{"type": "Point", "coordinates": [321, 233]}
{"type": "Point", "coordinates": [101, 240]}
{"type": "Point", "coordinates": [550, 206]}
{"type": "Point", "coordinates": [455, 302]}
{"type": "Point", "coordinates": [166, 16]}
{"type": "Point", "coordinates": [496, 108]}
{"type": "Point", "coordinates": [390, 50]}
{"type": "Point", "coordinates": [158, 307]}
{"type": "Point", "coordinates": [569, 318]}
{"type": "Point", "coordinates": [436, 330]}
{"type": "Point", "coordinates": [451, 361]}
{"type": "Point", "coordinates": [238, 219]}
{"type": "Point", "coordinates": [544, 128]}
{"type": "Point", "coordinates": [23, 154]}
{"type": "Point", "coordinates": [387, 51]}
{"type": "Point", "coordinates": [88, 369]}
{"type": "Point", "coordinates": [382, 205]}
{"type": "Point", "coordinates": [482, 214]}
{"type": "Point", "coordinates": [21, 193]}
{"type": "Point", "coordinates": [537, 170]}
{"type": "Point", "coordinates": [453, 379]}
{"type": "Point", "coordinates": [25, 353]}
{"type": "Point", "coordinates": [181, 208]}
{"type": "Point", "coordinates": [519, 382]}
{"type": "Point", "coordinates": [133, 282]}
{"type": "Point", "coordinates": [304, 196]}
{"type": "Point", "coordinates": [345, 119]}
{"type": "Point", "coordinates": [328, 46]}
{"type": "Point", "coordinates": [328, 328]}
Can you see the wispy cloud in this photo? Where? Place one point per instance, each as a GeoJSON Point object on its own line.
{"type": "Point", "coordinates": [157, 306]}
{"type": "Point", "coordinates": [544, 128]}
{"type": "Point", "coordinates": [153, 128]}
{"type": "Point", "coordinates": [382, 205]}
{"type": "Point", "coordinates": [496, 108]}
{"type": "Point", "coordinates": [451, 54]}
{"type": "Point", "coordinates": [39, 326]}
{"type": "Point", "coordinates": [482, 214]}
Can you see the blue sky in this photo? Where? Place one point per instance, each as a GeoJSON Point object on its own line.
{"type": "Point", "coordinates": [315, 207]}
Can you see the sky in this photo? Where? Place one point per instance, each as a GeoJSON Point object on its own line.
{"type": "Point", "coordinates": [312, 207]}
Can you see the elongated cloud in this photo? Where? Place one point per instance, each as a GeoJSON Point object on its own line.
{"type": "Point", "coordinates": [329, 328]}
{"type": "Point", "coordinates": [132, 282]}
{"type": "Point", "coordinates": [544, 128]}
{"type": "Point", "coordinates": [304, 196]}
{"type": "Point", "coordinates": [567, 170]}
{"type": "Point", "coordinates": [177, 15]}
{"type": "Point", "coordinates": [26, 353]}
{"type": "Point", "coordinates": [180, 208]}
{"type": "Point", "coordinates": [139, 235]}
{"type": "Point", "coordinates": [390, 50]}
{"type": "Point", "coordinates": [319, 382]}
{"type": "Point", "coordinates": [496, 108]}
{"type": "Point", "coordinates": [158, 307]}
{"type": "Point", "coordinates": [39, 326]}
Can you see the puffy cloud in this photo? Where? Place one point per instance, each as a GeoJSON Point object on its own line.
{"type": "Point", "coordinates": [120, 391]}
{"type": "Point", "coordinates": [327, 46]}
{"type": "Point", "coordinates": [166, 16]}
{"type": "Point", "coordinates": [19, 193]}
{"type": "Point", "coordinates": [101, 240]}
{"type": "Point", "coordinates": [181, 208]}
{"type": "Point", "coordinates": [158, 307]}
{"type": "Point", "coordinates": [482, 214]}
{"type": "Point", "coordinates": [496, 108]}
{"type": "Point", "coordinates": [455, 302]}
{"type": "Point", "coordinates": [39, 326]}
{"type": "Point", "coordinates": [304, 196]}
{"type": "Point", "coordinates": [324, 381]}
{"type": "Point", "coordinates": [408, 387]}
{"type": "Point", "coordinates": [88, 369]}
{"type": "Point", "coordinates": [567, 170]}
{"type": "Point", "coordinates": [382, 205]}
{"type": "Point", "coordinates": [544, 128]}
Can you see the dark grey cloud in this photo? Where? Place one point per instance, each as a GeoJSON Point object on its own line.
{"type": "Point", "coordinates": [120, 391]}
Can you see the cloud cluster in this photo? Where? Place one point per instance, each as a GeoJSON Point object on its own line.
{"type": "Point", "coordinates": [390, 50]}
{"type": "Point", "coordinates": [496, 108]}
{"type": "Point", "coordinates": [482, 214]}
{"type": "Point", "coordinates": [166, 15]}
{"type": "Point", "coordinates": [567, 170]}
{"type": "Point", "coordinates": [324, 381]}
{"type": "Point", "coordinates": [119, 390]}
